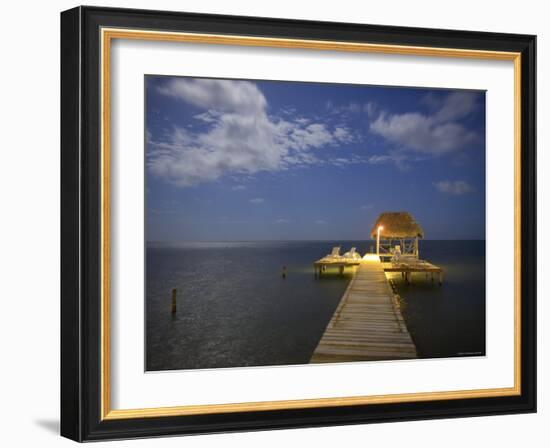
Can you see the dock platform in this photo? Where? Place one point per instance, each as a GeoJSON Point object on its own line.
{"type": "Point", "coordinates": [341, 263]}
{"type": "Point", "coordinates": [367, 324]}
{"type": "Point", "coordinates": [407, 268]}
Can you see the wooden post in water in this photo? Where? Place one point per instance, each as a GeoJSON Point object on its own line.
{"type": "Point", "coordinates": [284, 272]}
{"type": "Point", "coordinates": [174, 302]}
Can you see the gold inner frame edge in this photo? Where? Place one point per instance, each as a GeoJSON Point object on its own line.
{"type": "Point", "coordinates": [107, 35]}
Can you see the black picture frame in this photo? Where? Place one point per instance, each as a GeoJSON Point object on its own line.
{"type": "Point", "coordinates": [81, 224]}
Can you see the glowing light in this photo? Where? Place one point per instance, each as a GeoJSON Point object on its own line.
{"type": "Point", "coordinates": [378, 239]}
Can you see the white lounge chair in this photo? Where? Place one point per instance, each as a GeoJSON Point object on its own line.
{"type": "Point", "coordinates": [396, 254]}
{"type": "Point", "coordinates": [335, 253]}
{"type": "Point", "coordinates": [352, 254]}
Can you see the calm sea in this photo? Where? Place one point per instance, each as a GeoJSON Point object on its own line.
{"type": "Point", "coordinates": [235, 309]}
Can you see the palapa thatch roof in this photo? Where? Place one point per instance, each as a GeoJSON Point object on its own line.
{"type": "Point", "coordinates": [397, 225]}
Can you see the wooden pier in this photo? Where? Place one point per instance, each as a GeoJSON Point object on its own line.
{"type": "Point", "coordinates": [367, 324]}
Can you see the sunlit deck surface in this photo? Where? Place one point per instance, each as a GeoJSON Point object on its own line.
{"type": "Point", "coordinates": [367, 324]}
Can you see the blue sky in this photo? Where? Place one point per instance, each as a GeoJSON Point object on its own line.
{"type": "Point", "coordinates": [232, 160]}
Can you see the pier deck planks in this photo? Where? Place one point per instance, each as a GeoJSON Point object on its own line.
{"type": "Point", "coordinates": [367, 325]}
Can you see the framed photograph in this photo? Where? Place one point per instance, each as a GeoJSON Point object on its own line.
{"type": "Point", "coordinates": [275, 224]}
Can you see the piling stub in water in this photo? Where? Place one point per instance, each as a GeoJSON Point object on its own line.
{"type": "Point", "coordinates": [283, 272]}
{"type": "Point", "coordinates": [174, 302]}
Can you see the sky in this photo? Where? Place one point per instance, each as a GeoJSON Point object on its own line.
{"type": "Point", "coordinates": [247, 160]}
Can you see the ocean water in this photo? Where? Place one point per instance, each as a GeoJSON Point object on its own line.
{"type": "Point", "coordinates": [235, 309]}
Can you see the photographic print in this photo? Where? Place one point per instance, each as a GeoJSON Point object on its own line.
{"type": "Point", "coordinates": [300, 222]}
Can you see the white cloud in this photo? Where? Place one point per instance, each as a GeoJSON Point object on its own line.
{"type": "Point", "coordinates": [366, 207]}
{"type": "Point", "coordinates": [432, 100]}
{"type": "Point", "coordinates": [435, 134]}
{"type": "Point", "coordinates": [341, 161]}
{"type": "Point", "coordinates": [241, 137]}
{"type": "Point", "coordinates": [218, 95]}
{"type": "Point", "coordinates": [283, 221]}
{"type": "Point", "coordinates": [457, 187]}
{"type": "Point", "coordinates": [238, 187]}
{"type": "Point", "coordinates": [380, 158]}
{"type": "Point", "coordinates": [352, 107]}
{"type": "Point", "coordinates": [342, 134]}
{"type": "Point", "coordinates": [313, 135]}
{"type": "Point", "coordinates": [320, 222]}
{"type": "Point", "coordinates": [456, 106]}
{"type": "Point", "coordinates": [257, 201]}
{"type": "Point", "coordinates": [370, 108]}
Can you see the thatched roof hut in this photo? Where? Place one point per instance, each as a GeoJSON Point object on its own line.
{"type": "Point", "coordinates": [397, 225]}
